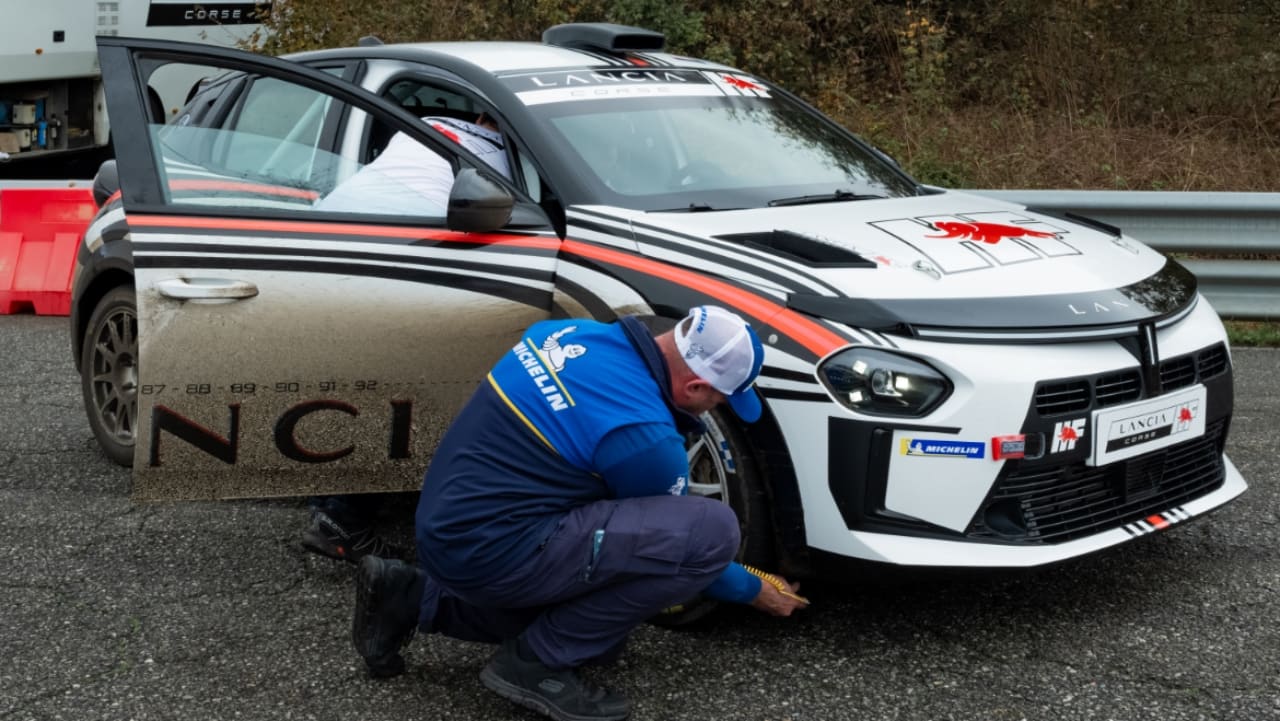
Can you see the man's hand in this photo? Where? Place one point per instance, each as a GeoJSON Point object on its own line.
{"type": "Point", "coordinates": [773, 601]}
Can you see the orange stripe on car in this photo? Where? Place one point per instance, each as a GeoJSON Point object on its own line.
{"type": "Point", "coordinates": [814, 336]}
{"type": "Point", "coordinates": [1158, 521]}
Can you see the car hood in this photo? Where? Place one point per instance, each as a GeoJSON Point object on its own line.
{"type": "Point", "coordinates": [948, 260]}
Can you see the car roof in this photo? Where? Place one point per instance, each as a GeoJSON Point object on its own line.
{"type": "Point", "coordinates": [508, 57]}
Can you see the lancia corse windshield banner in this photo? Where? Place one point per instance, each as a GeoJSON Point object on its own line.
{"type": "Point", "coordinates": [615, 83]}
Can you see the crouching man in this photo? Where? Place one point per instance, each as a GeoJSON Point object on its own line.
{"type": "Point", "coordinates": [554, 517]}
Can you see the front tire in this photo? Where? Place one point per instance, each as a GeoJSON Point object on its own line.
{"type": "Point", "coordinates": [109, 373]}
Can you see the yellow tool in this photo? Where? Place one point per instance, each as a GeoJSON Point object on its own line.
{"type": "Point", "coordinates": [776, 582]}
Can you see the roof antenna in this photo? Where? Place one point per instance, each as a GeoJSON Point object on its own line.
{"type": "Point", "coordinates": [369, 41]}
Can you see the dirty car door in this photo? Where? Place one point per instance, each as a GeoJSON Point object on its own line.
{"type": "Point", "coordinates": [288, 346]}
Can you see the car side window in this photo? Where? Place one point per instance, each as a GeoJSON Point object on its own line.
{"type": "Point", "coordinates": [279, 122]}
{"type": "Point", "coordinates": [434, 101]}
{"type": "Point", "coordinates": [459, 116]}
{"type": "Point", "coordinates": [269, 144]}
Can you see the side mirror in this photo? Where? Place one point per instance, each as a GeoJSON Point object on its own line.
{"type": "Point", "coordinates": [477, 204]}
{"type": "Point", "coordinates": [105, 182]}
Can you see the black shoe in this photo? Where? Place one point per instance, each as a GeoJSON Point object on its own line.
{"type": "Point", "coordinates": [562, 695]}
{"type": "Point", "coordinates": [329, 538]}
{"type": "Point", "coordinates": [388, 594]}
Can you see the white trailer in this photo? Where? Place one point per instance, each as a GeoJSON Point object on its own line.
{"type": "Point", "coordinates": [51, 101]}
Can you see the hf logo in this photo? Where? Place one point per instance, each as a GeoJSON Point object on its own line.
{"type": "Point", "coordinates": [1065, 435]}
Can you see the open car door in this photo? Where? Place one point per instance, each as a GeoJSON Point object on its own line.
{"type": "Point", "coordinates": [287, 346]}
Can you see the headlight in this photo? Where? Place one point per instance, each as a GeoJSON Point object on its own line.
{"type": "Point", "coordinates": [883, 383]}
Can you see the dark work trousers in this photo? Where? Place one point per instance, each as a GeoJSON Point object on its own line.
{"type": "Point", "coordinates": [582, 592]}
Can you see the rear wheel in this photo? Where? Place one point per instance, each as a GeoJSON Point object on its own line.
{"type": "Point", "coordinates": [722, 466]}
{"type": "Point", "coordinates": [109, 373]}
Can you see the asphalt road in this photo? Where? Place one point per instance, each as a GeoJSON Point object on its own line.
{"type": "Point", "coordinates": [113, 610]}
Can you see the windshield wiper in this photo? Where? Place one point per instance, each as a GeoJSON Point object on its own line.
{"type": "Point", "coordinates": [837, 196]}
{"type": "Point", "coordinates": [691, 208]}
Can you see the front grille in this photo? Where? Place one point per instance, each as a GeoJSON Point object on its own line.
{"type": "Point", "coordinates": [1055, 505]}
{"type": "Point", "coordinates": [1177, 373]}
{"type": "Point", "coordinates": [1212, 361]}
{"type": "Point", "coordinates": [1118, 388]}
{"type": "Point", "coordinates": [1062, 397]}
{"type": "Point", "coordinates": [1057, 397]}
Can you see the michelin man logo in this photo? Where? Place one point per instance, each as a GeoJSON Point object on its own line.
{"type": "Point", "coordinates": [677, 488]}
{"type": "Point", "coordinates": [555, 354]}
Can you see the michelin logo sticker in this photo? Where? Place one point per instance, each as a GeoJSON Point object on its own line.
{"type": "Point", "coordinates": [942, 447]}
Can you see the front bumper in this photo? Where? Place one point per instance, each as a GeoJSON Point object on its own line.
{"type": "Point", "coordinates": [931, 492]}
{"type": "Point", "coordinates": [919, 551]}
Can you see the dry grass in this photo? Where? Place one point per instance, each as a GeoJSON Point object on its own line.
{"type": "Point", "coordinates": [975, 148]}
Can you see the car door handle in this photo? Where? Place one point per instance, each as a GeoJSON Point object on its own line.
{"type": "Point", "coordinates": [206, 289]}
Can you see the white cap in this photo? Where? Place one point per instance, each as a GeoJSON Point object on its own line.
{"type": "Point", "coordinates": [723, 350]}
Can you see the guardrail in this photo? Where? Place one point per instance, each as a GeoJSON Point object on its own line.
{"type": "Point", "coordinates": [1225, 225]}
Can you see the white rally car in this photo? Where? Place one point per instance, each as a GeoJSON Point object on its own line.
{"type": "Point", "coordinates": [949, 380]}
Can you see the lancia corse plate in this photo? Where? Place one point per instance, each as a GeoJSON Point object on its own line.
{"type": "Point", "coordinates": [1146, 426]}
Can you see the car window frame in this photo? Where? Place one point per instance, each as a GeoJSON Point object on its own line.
{"type": "Point", "coordinates": [127, 62]}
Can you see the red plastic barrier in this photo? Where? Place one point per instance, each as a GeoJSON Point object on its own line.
{"type": "Point", "coordinates": [40, 231]}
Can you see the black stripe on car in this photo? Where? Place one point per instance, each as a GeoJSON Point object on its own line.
{"type": "Point", "coordinates": [153, 250]}
{"type": "Point", "coordinates": [324, 230]}
{"type": "Point", "coordinates": [598, 309]}
{"type": "Point", "coordinates": [705, 246]}
{"type": "Point", "coordinates": [516, 292]}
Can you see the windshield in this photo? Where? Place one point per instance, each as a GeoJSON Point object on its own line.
{"type": "Point", "coordinates": [715, 152]}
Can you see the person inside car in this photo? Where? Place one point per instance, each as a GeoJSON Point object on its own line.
{"type": "Point", "coordinates": [554, 516]}
{"type": "Point", "coordinates": [408, 178]}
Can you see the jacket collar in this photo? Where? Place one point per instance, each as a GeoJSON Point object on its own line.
{"type": "Point", "coordinates": [647, 347]}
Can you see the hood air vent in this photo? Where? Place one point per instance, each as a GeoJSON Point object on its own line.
{"type": "Point", "coordinates": [810, 251]}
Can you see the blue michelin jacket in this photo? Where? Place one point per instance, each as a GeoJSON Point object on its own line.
{"type": "Point", "coordinates": [525, 449]}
